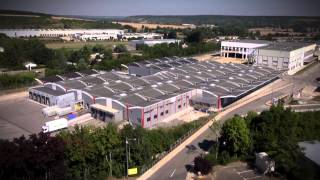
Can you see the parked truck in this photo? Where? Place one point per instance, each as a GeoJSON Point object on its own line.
{"type": "Point", "coordinates": [55, 125]}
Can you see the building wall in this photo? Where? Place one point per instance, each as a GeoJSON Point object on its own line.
{"type": "Point", "coordinates": [151, 115]}
{"type": "Point", "coordinates": [65, 100]}
{"type": "Point", "coordinates": [87, 100]}
{"type": "Point", "coordinates": [240, 48]}
{"type": "Point", "coordinates": [293, 61]}
{"type": "Point", "coordinates": [273, 58]}
{"type": "Point", "coordinates": [61, 101]}
{"type": "Point", "coordinates": [42, 97]}
{"type": "Point", "coordinates": [124, 110]}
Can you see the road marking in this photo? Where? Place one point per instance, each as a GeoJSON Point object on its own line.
{"type": "Point", "coordinates": [255, 177]}
{"type": "Point", "coordinates": [172, 173]}
{"type": "Point", "coordinates": [245, 171]}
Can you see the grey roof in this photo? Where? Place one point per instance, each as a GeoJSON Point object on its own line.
{"type": "Point", "coordinates": [138, 82]}
{"type": "Point", "coordinates": [71, 75]}
{"type": "Point", "coordinates": [133, 100]}
{"type": "Point", "coordinates": [169, 88]}
{"type": "Point", "coordinates": [88, 72]}
{"type": "Point", "coordinates": [213, 77]}
{"type": "Point", "coordinates": [51, 79]}
{"type": "Point", "coordinates": [90, 80]}
{"type": "Point", "coordinates": [285, 46]}
{"type": "Point", "coordinates": [250, 41]}
{"type": "Point", "coordinates": [72, 84]}
{"type": "Point", "coordinates": [120, 86]}
{"type": "Point", "coordinates": [110, 76]}
{"type": "Point", "coordinates": [49, 91]}
{"type": "Point", "coordinates": [150, 93]}
{"type": "Point", "coordinates": [100, 91]}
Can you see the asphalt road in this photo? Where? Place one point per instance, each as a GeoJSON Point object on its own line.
{"type": "Point", "coordinates": [176, 168]}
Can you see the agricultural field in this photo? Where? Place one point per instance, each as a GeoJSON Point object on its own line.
{"type": "Point", "coordinates": [78, 45]}
{"type": "Point", "coordinates": [140, 26]}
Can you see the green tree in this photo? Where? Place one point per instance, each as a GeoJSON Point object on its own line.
{"type": "Point", "coordinates": [39, 157]}
{"type": "Point", "coordinates": [235, 136]}
{"type": "Point", "coordinates": [202, 165]}
{"type": "Point", "coordinates": [120, 48]}
{"type": "Point", "coordinates": [194, 37]}
{"type": "Point", "coordinates": [172, 35]}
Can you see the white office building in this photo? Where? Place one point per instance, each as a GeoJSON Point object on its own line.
{"type": "Point", "coordinates": [291, 56]}
{"type": "Point", "coordinates": [241, 48]}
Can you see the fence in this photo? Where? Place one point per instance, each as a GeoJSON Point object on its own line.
{"type": "Point", "coordinates": [175, 144]}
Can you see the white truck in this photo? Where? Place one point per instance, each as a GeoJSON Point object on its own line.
{"type": "Point", "coordinates": [55, 125]}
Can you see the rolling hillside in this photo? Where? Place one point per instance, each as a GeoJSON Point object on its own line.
{"type": "Point", "coordinates": [22, 19]}
{"type": "Point", "coordinates": [247, 21]}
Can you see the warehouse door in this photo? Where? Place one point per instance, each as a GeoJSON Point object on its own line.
{"type": "Point", "coordinates": [47, 101]}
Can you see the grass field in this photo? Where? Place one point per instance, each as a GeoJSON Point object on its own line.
{"type": "Point", "coordinates": [78, 45]}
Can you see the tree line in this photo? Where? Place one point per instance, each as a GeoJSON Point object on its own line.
{"type": "Point", "coordinates": [86, 152]}
{"type": "Point", "coordinates": [276, 132]}
{"type": "Point", "coordinates": [16, 81]}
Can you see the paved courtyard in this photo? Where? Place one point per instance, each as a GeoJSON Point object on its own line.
{"type": "Point", "coordinates": [238, 171]}
{"type": "Point", "coordinates": [19, 116]}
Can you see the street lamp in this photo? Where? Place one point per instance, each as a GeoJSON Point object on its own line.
{"type": "Point", "coordinates": [127, 158]}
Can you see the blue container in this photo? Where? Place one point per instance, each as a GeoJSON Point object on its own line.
{"type": "Point", "coordinates": [71, 116]}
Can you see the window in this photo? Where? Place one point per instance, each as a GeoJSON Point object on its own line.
{"type": "Point", "coordinates": [148, 119]}
{"type": "Point", "coordinates": [167, 111]}
{"type": "Point", "coordinates": [161, 114]}
{"type": "Point", "coordinates": [155, 116]}
{"type": "Point", "coordinates": [184, 104]}
{"type": "Point", "coordinates": [179, 106]}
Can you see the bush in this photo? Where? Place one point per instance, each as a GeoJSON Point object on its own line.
{"type": "Point", "coordinates": [16, 81]}
{"type": "Point", "coordinates": [202, 165]}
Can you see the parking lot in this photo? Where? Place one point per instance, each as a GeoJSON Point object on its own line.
{"type": "Point", "coordinates": [238, 171]}
{"type": "Point", "coordinates": [19, 116]}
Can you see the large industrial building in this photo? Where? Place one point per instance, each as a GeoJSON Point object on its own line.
{"type": "Point", "coordinates": [50, 33]}
{"type": "Point", "coordinates": [289, 56]}
{"type": "Point", "coordinates": [154, 90]}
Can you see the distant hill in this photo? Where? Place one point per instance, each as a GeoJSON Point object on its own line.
{"type": "Point", "coordinates": [14, 12]}
{"type": "Point", "coordinates": [247, 21]}
{"type": "Point", "coordinates": [30, 20]}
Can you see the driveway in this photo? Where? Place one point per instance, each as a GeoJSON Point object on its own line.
{"type": "Point", "coordinates": [19, 116]}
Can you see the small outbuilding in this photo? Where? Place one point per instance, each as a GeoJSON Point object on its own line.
{"type": "Point", "coordinates": [263, 163]}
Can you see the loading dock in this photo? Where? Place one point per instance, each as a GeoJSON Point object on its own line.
{"type": "Point", "coordinates": [51, 97]}
{"type": "Point", "coordinates": [105, 113]}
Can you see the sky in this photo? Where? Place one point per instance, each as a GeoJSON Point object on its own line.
{"type": "Point", "coordinates": [167, 7]}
